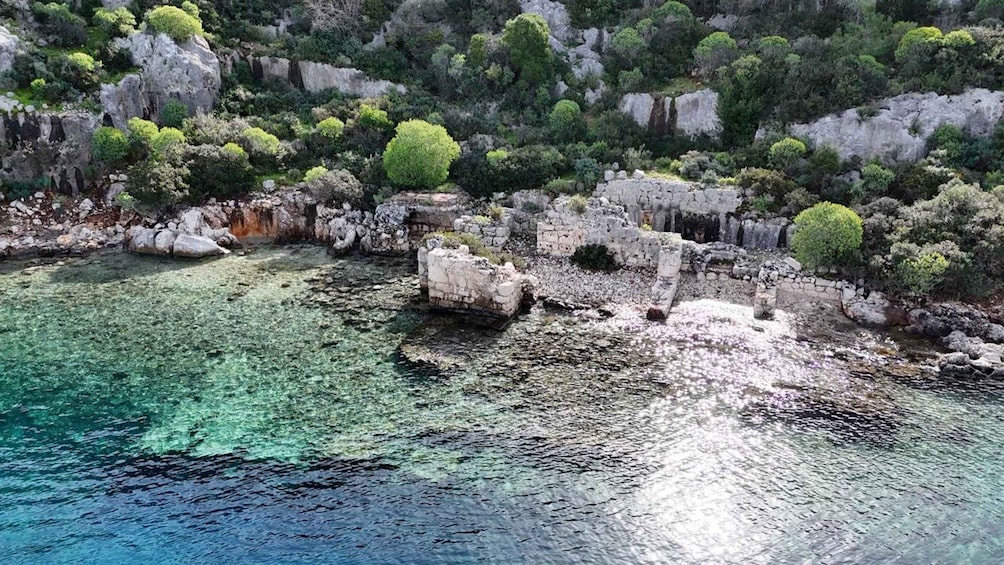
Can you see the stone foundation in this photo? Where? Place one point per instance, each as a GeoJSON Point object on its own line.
{"type": "Point", "coordinates": [457, 281]}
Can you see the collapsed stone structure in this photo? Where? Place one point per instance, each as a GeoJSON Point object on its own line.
{"type": "Point", "coordinates": [457, 281]}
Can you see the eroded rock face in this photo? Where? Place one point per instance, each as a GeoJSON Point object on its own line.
{"type": "Point", "coordinates": [47, 145]}
{"type": "Point", "coordinates": [189, 72]}
{"type": "Point", "coordinates": [9, 44]}
{"type": "Point", "coordinates": [899, 131]}
{"type": "Point", "coordinates": [318, 77]}
{"type": "Point", "coordinates": [127, 99]}
{"type": "Point", "coordinates": [692, 114]}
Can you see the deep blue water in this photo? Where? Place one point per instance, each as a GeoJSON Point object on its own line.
{"type": "Point", "coordinates": [207, 413]}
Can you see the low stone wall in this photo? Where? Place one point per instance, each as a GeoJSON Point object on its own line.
{"type": "Point", "coordinates": [457, 281]}
{"type": "Point", "coordinates": [661, 202]}
{"type": "Point", "coordinates": [494, 234]}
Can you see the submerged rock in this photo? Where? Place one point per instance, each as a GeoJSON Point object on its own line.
{"type": "Point", "coordinates": [196, 247]}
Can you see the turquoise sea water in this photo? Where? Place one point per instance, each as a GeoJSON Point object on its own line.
{"type": "Point", "coordinates": [259, 409]}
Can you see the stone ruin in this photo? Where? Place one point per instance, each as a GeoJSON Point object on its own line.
{"type": "Point", "coordinates": [458, 281]}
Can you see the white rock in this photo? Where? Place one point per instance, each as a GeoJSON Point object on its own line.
{"type": "Point", "coordinates": [197, 247]}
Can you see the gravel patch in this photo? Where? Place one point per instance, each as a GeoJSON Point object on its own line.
{"type": "Point", "coordinates": [729, 290]}
{"type": "Point", "coordinates": [565, 283]}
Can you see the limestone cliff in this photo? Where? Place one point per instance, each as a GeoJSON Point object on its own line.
{"type": "Point", "coordinates": [898, 132]}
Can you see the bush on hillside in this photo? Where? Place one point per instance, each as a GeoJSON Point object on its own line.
{"type": "Point", "coordinates": [594, 257]}
{"type": "Point", "coordinates": [420, 155]}
{"type": "Point", "coordinates": [176, 23]}
{"type": "Point", "coordinates": [826, 235]}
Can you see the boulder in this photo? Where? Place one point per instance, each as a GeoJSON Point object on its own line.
{"type": "Point", "coordinates": [125, 100]}
{"type": "Point", "coordinates": [197, 247]}
{"type": "Point", "coordinates": [554, 13]}
{"type": "Point", "coordinates": [874, 311]}
{"type": "Point", "coordinates": [163, 243]}
{"type": "Point", "coordinates": [697, 113]}
{"type": "Point", "coordinates": [142, 240]}
{"type": "Point", "coordinates": [899, 130]}
{"type": "Point", "coordinates": [188, 72]}
{"type": "Point", "coordinates": [318, 77]}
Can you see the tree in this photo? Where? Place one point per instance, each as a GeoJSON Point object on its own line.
{"type": "Point", "coordinates": [110, 145]}
{"type": "Point", "coordinates": [420, 154]}
{"type": "Point", "coordinates": [827, 234]}
{"type": "Point", "coordinates": [565, 120]}
{"type": "Point", "coordinates": [526, 36]}
{"type": "Point", "coordinates": [173, 114]}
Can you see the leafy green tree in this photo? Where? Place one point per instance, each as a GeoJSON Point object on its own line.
{"type": "Point", "coordinates": [420, 155]}
{"type": "Point", "coordinates": [158, 183]}
{"type": "Point", "coordinates": [119, 22]}
{"type": "Point", "coordinates": [629, 45]}
{"type": "Point", "coordinates": [175, 22]}
{"type": "Point", "coordinates": [526, 36]}
{"type": "Point", "coordinates": [110, 145]}
{"type": "Point", "coordinates": [167, 140]}
{"type": "Point", "coordinates": [566, 120]}
{"type": "Point", "coordinates": [827, 234]}
{"type": "Point", "coordinates": [875, 180]}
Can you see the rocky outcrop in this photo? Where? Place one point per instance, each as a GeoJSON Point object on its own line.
{"type": "Point", "coordinates": [127, 99]}
{"type": "Point", "coordinates": [9, 44]}
{"type": "Point", "coordinates": [171, 242]}
{"type": "Point", "coordinates": [188, 72]}
{"type": "Point", "coordinates": [940, 320]}
{"type": "Point", "coordinates": [554, 13]}
{"type": "Point", "coordinates": [899, 130]}
{"type": "Point", "coordinates": [458, 281]}
{"type": "Point", "coordinates": [318, 77]}
{"type": "Point", "coordinates": [693, 114]}
{"type": "Point", "coordinates": [47, 146]}
{"type": "Point", "coordinates": [972, 357]}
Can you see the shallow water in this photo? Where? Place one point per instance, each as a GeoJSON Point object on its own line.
{"type": "Point", "coordinates": [259, 409]}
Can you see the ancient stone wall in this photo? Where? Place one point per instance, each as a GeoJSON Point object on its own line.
{"type": "Point", "coordinates": [494, 234]}
{"type": "Point", "coordinates": [663, 203]}
{"type": "Point", "coordinates": [460, 282]}
{"type": "Point", "coordinates": [47, 146]}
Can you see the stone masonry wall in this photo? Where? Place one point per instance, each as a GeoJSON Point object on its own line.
{"type": "Point", "coordinates": [659, 200]}
{"type": "Point", "coordinates": [460, 282]}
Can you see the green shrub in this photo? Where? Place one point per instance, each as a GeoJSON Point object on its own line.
{"type": "Point", "coordinates": [83, 62]}
{"type": "Point", "coordinates": [765, 182]}
{"type": "Point", "coordinates": [257, 141]}
{"type": "Point", "coordinates": [578, 203]}
{"type": "Point", "coordinates": [921, 275]}
{"type": "Point", "coordinates": [594, 257]}
{"type": "Point", "coordinates": [827, 234]}
{"type": "Point", "coordinates": [176, 23]}
{"type": "Point", "coordinates": [331, 128]}
{"type": "Point", "coordinates": [371, 117]}
{"type": "Point", "coordinates": [716, 50]}
{"type": "Point", "coordinates": [119, 22]}
{"type": "Point", "coordinates": [218, 172]}
{"type": "Point", "coordinates": [141, 132]}
{"type": "Point", "coordinates": [453, 240]}
{"type": "Point", "coordinates": [914, 36]}
{"type": "Point", "coordinates": [158, 183]}
{"type": "Point", "coordinates": [173, 114]}
{"type": "Point", "coordinates": [38, 88]}
{"type": "Point", "coordinates": [166, 140]}
{"type": "Point", "coordinates": [875, 179]}
{"type": "Point", "coordinates": [315, 173]}
{"type": "Point", "coordinates": [587, 171]}
{"type": "Point", "coordinates": [56, 19]}
{"type": "Point", "coordinates": [496, 156]}
{"type": "Point", "coordinates": [338, 186]}
{"type": "Point", "coordinates": [110, 145]}
{"type": "Point", "coordinates": [420, 155]}
{"type": "Point", "coordinates": [787, 152]}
